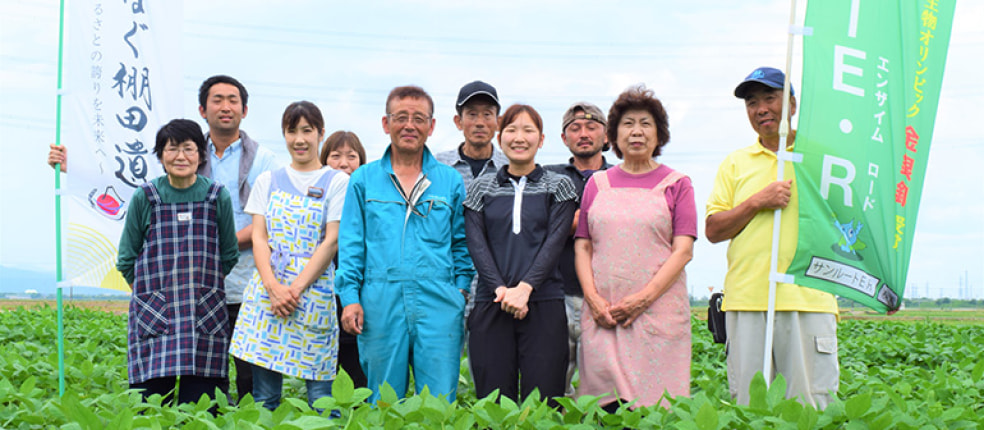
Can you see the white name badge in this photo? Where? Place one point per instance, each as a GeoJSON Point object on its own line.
{"type": "Point", "coordinates": [184, 216]}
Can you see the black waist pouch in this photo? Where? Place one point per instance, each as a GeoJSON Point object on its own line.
{"type": "Point", "coordinates": [715, 318]}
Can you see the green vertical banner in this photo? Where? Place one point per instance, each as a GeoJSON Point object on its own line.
{"type": "Point", "coordinates": [872, 72]}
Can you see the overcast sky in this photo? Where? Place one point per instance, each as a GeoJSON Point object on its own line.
{"type": "Point", "coordinates": [346, 56]}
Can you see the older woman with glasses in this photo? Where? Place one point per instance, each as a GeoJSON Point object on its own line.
{"type": "Point", "coordinates": [178, 243]}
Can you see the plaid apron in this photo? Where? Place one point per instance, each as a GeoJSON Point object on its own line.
{"type": "Point", "coordinates": [305, 344]}
{"type": "Point", "coordinates": [178, 322]}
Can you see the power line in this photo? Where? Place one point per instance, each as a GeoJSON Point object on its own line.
{"type": "Point", "coordinates": [404, 39]}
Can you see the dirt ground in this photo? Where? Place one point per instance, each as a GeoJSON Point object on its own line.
{"type": "Point", "coordinates": [114, 306]}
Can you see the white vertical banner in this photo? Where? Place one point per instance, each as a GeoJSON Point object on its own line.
{"type": "Point", "coordinates": [122, 82]}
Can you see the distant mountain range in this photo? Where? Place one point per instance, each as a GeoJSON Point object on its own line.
{"type": "Point", "coordinates": [16, 280]}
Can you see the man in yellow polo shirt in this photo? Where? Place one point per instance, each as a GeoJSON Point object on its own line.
{"type": "Point", "coordinates": [740, 208]}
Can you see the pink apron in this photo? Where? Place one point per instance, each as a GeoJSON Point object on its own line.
{"type": "Point", "coordinates": [631, 235]}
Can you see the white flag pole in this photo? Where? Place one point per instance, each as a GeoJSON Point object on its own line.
{"type": "Point", "coordinates": [770, 318]}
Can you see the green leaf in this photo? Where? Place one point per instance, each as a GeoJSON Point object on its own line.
{"type": "Point", "coordinates": [857, 406]}
{"type": "Point", "coordinates": [978, 371]}
{"type": "Point", "coordinates": [74, 411]}
{"type": "Point", "coordinates": [201, 423]}
{"type": "Point", "coordinates": [284, 411]}
{"type": "Point", "coordinates": [632, 418]}
{"type": "Point", "coordinates": [480, 412]}
{"type": "Point", "coordinates": [568, 404]}
{"type": "Point", "coordinates": [326, 403]}
{"type": "Point", "coordinates": [524, 414]}
{"type": "Point", "coordinates": [394, 423]}
{"type": "Point", "coordinates": [387, 396]}
{"type": "Point", "coordinates": [311, 422]}
{"type": "Point", "coordinates": [27, 387]}
{"type": "Point", "coordinates": [496, 412]}
{"type": "Point", "coordinates": [221, 400]}
{"type": "Point", "coordinates": [297, 404]}
{"type": "Point", "coordinates": [834, 412]}
{"type": "Point", "coordinates": [855, 425]}
{"type": "Point", "coordinates": [362, 415]}
{"type": "Point", "coordinates": [904, 388]}
{"type": "Point", "coordinates": [204, 403]}
{"type": "Point", "coordinates": [249, 413]}
{"type": "Point", "coordinates": [464, 422]}
{"type": "Point", "coordinates": [432, 415]}
{"type": "Point", "coordinates": [882, 421]}
{"type": "Point", "coordinates": [148, 422]}
{"type": "Point", "coordinates": [952, 414]}
{"type": "Point", "coordinates": [440, 406]}
{"type": "Point", "coordinates": [808, 418]}
{"type": "Point", "coordinates": [414, 416]}
{"type": "Point", "coordinates": [790, 410]}
{"type": "Point", "coordinates": [707, 417]}
{"type": "Point", "coordinates": [612, 420]}
{"type": "Point", "coordinates": [361, 394]}
{"type": "Point", "coordinates": [507, 404]}
{"type": "Point", "coordinates": [756, 392]}
{"type": "Point", "coordinates": [777, 392]}
{"type": "Point", "coordinates": [342, 388]}
{"type": "Point", "coordinates": [123, 420]}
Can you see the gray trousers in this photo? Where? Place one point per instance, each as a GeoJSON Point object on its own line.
{"type": "Point", "coordinates": [804, 353]}
{"type": "Point", "coordinates": [572, 305]}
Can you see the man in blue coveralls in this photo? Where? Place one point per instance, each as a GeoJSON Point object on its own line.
{"type": "Point", "coordinates": [404, 265]}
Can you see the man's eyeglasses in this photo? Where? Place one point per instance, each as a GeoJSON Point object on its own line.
{"type": "Point", "coordinates": [402, 118]}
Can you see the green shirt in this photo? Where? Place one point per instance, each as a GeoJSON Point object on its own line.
{"type": "Point", "coordinates": [138, 221]}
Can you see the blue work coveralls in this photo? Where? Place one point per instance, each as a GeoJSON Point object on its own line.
{"type": "Point", "coordinates": [405, 265]}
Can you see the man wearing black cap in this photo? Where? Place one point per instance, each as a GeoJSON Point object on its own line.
{"type": "Point", "coordinates": [477, 118]}
{"type": "Point", "coordinates": [583, 131]}
{"type": "Point", "coordinates": [740, 209]}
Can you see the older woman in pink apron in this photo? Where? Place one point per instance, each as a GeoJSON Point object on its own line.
{"type": "Point", "coordinates": [636, 232]}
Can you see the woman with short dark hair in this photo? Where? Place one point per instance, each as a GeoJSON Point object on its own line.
{"type": "Point", "coordinates": [178, 243]}
{"type": "Point", "coordinates": [343, 151]}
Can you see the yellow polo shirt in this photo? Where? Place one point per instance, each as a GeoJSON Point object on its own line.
{"type": "Point", "coordinates": [746, 286]}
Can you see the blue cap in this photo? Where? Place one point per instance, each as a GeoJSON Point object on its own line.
{"type": "Point", "coordinates": [768, 76]}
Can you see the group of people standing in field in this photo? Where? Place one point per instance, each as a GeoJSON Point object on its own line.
{"type": "Point", "coordinates": [403, 263]}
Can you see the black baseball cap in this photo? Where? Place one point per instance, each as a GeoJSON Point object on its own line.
{"type": "Point", "coordinates": [477, 88]}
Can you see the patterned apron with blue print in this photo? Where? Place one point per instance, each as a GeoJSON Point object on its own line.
{"type": "Point", "coordinates": [305, 344]}
{"type": "Point", "coordinates": [178, 323]}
